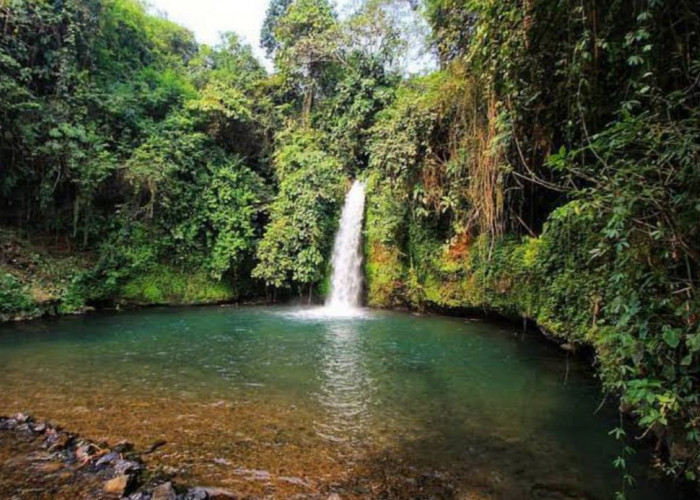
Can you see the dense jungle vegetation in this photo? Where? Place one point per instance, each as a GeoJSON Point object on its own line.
{"type": "Point", "coordinates": [549, 169]}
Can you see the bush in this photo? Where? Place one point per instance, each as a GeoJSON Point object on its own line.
{"type": "Point", "coordinates": [13, 296]}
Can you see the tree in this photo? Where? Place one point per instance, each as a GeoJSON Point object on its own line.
{"type": "Point", "coordinates": [297, 239]}
{"type": "Point", "coordinates": [275, 11]}
{"type": "Point", "coordinates": [308, 37]}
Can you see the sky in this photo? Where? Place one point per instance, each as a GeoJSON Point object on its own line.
{"type": "Point", "coordinates": [207, 18]}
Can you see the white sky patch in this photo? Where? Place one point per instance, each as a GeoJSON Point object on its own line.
{"type": "Point", "coordinates": [207, 18]}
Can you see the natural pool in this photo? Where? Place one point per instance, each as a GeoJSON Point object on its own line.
{"type": "Point", "coordinates": [265, 401]}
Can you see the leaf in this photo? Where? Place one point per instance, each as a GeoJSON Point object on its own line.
{"type": "Point", "coordinates": [672, 337]}
{"type": "Point", "coordinates": [693, 342]}
{"type": "Point", "coordinates": [635, 60]}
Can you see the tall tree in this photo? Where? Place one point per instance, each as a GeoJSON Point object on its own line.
{"type": "Point", "coordinates": [275, 11]}
{"type": "Point", "coordinates": [309, 40]}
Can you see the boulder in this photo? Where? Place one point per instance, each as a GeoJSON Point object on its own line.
{"type": "Point", "coordinates": [164, 491]}
{"type": "Point", "coordinates": [118, 485]}
{"type": "Point", "coordinates": [124, 466]}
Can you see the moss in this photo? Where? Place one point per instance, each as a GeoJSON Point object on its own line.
{"type": "Point", "coordinates": [163, 284]}
{"type": "Point", "coordinates": [384, 275]}
{"type": "Point", "coordinates": [539, 278]}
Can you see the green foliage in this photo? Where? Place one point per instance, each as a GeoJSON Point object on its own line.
{"type": "Point", "coordinates": [165, 285]}
{"type": "Point", "coordinates": [303, 216]}
{"type": "Point", "coordinates": [13, 297]}
{"type": "Point", "coordinates": [124, 133]}
{"type": "Point", "coordinates": [233, 201]}
{"type": "Point", "coordinates": [268, 38]}
{"type": "Point", "coordinates": [550, 168]}
{"type": "Point", "coordinates": [307, 55]}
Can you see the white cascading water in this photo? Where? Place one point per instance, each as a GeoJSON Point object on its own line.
{"type": "Point", "coordinates": [346, 280]}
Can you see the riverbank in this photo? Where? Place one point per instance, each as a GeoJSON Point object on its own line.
{"type": "Point", "coordinates": [43, 461]}
{"type": "Point", "coordinates": [40, 460]}
{"type": "Point", "coordinates": [47, 277]}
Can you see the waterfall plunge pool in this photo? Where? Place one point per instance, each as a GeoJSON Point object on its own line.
{"type": "Point", "coordinates": [383, 405]}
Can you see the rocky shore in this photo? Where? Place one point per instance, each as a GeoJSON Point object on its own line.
{"type": "Point", "coordinates": [39, 460]}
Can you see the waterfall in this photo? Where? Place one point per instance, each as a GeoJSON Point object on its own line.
{"type": "Point", "coordinates": [346, 280]}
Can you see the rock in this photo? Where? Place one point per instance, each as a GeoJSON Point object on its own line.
{"type": "Point", "coordinates": [221, 461]}
{"type": "Point", "coordinates": [140, 495]}
{"type": "Point", "coordinates": [333, 496]}
{"type": "Point", "coordinates": [568, 347]}
{"type": "Point", "coordinates": [82, 452]}
{"type": "Point", "coordinates": [22, 418]}
{"type": "Point", "coordinates": [40, 428]}
{"type": "Point", "coordinates": [124, 466]}
{"type": "Point", "coordinates": [59, 442]}
{"type": "Point", "coordinates": [164, 492]}
{"type": "Point", "coordinates": [9, 424]}
{"type": "Point", "coordinates": [106, 459]}
{"type": "Point", "coordinates": [254, 474]}
{"type": "Point", "coordinates": [202, 493]}
{"type": "Point", "coordinates": [196, 494]}
{"type": "Point", "coordinates": [118, 485]}
{"type": "Point", "coordinates": [297, 481]}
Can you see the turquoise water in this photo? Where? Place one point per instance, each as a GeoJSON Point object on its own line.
{"type": "Point", "coordinates": [389, 404]}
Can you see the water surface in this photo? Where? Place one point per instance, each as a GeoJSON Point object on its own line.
{"type": "Point", "coordinates": [267, 401]}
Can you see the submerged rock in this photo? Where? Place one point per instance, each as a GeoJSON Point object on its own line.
{"type": "Point", "coordinates": [107, 459]}
{"type": "Point", "coordinates": [118, 485]}
{"type": "Point", "coordinates": [22, 418]}
{"type": "Point", "coordinates": [196, 494]}
{"type": "Point", "coordinates": [204, 493]}
{"type": "Point", "coordinates": [139, 495]}
{"type": "Point", "coordinates": [124, 466]}
{"type": "Point", "coordinates": [297, 481]}
{"type": "Point", "coordinates": [254, 474]}
{"type": "Point", "coordinates": [164, 492]}
{"type": "Point", "coordinates": [58, 441]}
{"type": "Point", "coordinates": [84, 451]}
{"type": "Point", "coordinates": [63, 460]}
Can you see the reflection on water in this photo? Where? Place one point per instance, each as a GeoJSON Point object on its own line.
{"type": "Point", "coordinates": [345, 385]}
{"type": "Point", "coordinates": [382, 405]}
